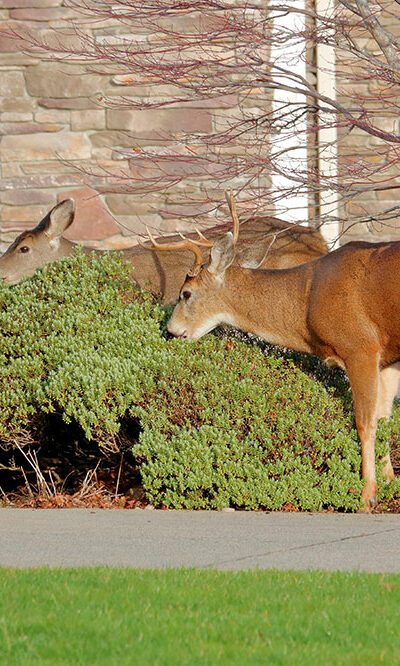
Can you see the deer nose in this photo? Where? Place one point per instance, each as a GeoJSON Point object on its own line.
{"type": "Point", "coordinates": [181, 335]}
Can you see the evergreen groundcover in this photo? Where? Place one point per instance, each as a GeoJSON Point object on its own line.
{"type": "Point", "coordinates": [217, 423]}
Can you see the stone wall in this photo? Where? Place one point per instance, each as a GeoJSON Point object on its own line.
{"type": "Point", "coordinates": [371, 204]}
{"type": "Point", "coordinates": [53, 127]}
{"type": "Point", "coordinates": [357, 146]}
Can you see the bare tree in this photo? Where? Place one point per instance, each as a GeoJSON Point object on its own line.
{"type": "Point", "coordinates": [241, 53]}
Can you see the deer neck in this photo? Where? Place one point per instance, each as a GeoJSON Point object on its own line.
{"type": "Point", "coordinates": [271, 304]}
{"type": "Point", "coordinates": [65, 247]}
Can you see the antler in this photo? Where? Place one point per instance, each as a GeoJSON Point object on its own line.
{"type": "Point", "coordinates": [194, 245]}
{"type": "Point", "coordinates": [203, 242]}
{"type": "Point", "coordinates": [184, 244]}
{"type": "Point", "coordinates": [235, 219]}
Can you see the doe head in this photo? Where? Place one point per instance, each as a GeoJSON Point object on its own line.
{"type": "Point", "coordinates": [38, 246]}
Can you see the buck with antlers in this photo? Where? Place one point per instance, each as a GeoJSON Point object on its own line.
{"type": "Point", "coordinates": [272, 242]}
{"type": "Point", "coordinates": [343, 307]}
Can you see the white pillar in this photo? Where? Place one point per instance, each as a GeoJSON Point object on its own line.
{"type": "Point", "coordinates": [290, 55]}
{"type": "Point", "coordinates": [327, 137]}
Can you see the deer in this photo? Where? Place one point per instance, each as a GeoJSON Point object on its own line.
{"type": "Point", "coordinates": [342, 307]}
{"type": "Point", "coordinates": [268, 240]}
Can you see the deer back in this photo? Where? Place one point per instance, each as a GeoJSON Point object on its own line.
{"type": "Point", "coordinates": [264, 241]}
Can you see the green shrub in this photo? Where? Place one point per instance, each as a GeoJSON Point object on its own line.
{"type": "Point", "coordinates": [221, 422]}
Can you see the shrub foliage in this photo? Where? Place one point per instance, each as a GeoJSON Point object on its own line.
{"type": "Point", "coordinates": [222, 422]}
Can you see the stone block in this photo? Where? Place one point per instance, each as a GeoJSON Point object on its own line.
{"type": "Point", "coordinates": [88, 119]}
{"type": "Point", "coordinates": [9, 44]}
{"type": "Point", "coordinates": [28, 128]}
{"type": "Point", "coordinates": [187, 210]}
{"type": "Point", "coordinates": [55, 116]}
{"type": "Point", "coordinates": [113, 243]}
{"type": "Point", "coordinates": [71, 42]}
{"type": "Point", "coordinates": [92, 219]}
{"type": "Point", "coordinates": [129, 204]}
{"type": "Point", "coordinates": [18, 214]}
{"type": "Point", "coordinates": [12, 84]}
{"type": "Point", "coordinates": [17, 105]}
{"type": "Point", "coordinates": [375, 209]}
{"type": "Point", "coordinates": [137, 224]}
{"type": "Point", "coordinates": [101, 154]}
{"type": "Point", "coordinates": [115, 40]}
{"type": "Point", "coordinates": [63, 145]}
{"type": "Point", "coordinates": [39, 181]}
{"type": "Point", "coordinates": [174, 225]}
{"type": "Point", "coordinates": [38, 13]}
{"type": "Point", "coordinates": [68, 103]}
{"type": "Point", "coordinates": [19, 59]}
{"type": "Point", "coordinates": [10, 170]}
{"type": "Point", "coordinates": [41, 13]}
{"type": "Point", "coordinates": [218, 102]}
{"type": "Point", "coordinates": [26, 197]}
{"type": "Point", "coordinates": [51, 166]}
{"type": "Point", "coordinates": [111, 139]}
{"type": "Point", "coordinates": [14, 117]}
{"type": "Point", "coordinates": [151, 122]}
{"type": "Point", "coordinates": [61, 79]}
{"type": "Point", "coordinates": [185, 167]}
{"type": "Point", "coordinates": [390, 197]}
{"type": "Point", "coordinates": [13, 4]}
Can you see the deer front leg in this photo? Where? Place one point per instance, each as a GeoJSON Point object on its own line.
{"type": "Point", "coordinates": [389, 379]}
{"type": "Point", "coordinates": [363, 374]}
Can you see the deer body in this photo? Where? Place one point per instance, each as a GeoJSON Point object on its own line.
{"type": "Point", "coordinates": [266, 240]}
{"type": "Point", "coordinates": [343, 307]}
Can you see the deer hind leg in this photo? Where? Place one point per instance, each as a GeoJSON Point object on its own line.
{"type": "Point", "coordinates": [389, 379]}
{"type": "Point", "coordinates": [364, 378]}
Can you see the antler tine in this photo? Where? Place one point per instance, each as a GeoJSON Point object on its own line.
{"type": "Point", "coordinates": [184, 244]}
{"type": "Point", "coordinates": [232, 207]}
{"type": "Point", "coordinates": [203, 242]}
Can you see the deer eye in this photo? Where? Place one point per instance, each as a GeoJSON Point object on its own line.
{"type": "Point", "coordinates": [186, 295]}
{"type": "Point", "coordinates": [24, 249]}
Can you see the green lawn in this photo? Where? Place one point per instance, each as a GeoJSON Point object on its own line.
{"type": "Point", "coordinates": [124, 616]}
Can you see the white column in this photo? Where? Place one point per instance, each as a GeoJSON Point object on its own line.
{"type": "Point", "coordinates": [327, 137]}
{"type": "Point", "coordinates": [294, 207]}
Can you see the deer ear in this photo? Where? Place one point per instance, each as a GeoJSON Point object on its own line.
{"type": "Point", "coordinates": [60, 218]}
{"type": "Point", "coordinates": [222, 254]}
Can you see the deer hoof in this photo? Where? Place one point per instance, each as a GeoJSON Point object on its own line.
{"type": "Point", "coordinates": [369, 499]}
{"type": "Point", "coordinates": [369, 505]}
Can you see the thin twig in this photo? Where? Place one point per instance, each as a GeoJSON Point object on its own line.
{"type": "Point", "coordinates": [119, 476]}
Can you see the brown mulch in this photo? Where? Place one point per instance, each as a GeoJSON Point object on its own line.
{"type": "Point", "coordinates": [75, 473]}
{"type": "Point", "coordinates": [67, 470]}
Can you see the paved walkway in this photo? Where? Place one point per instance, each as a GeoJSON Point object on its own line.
{"type": "Point", "coordinates": [221, 540]}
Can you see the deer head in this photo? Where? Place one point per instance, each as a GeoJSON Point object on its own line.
{"type": "Point", "coordinates": [200, 307]}
{"type": "Point", "coordinates": [202, 301]}
{"type": "Point", "coordinates": [38, 246]}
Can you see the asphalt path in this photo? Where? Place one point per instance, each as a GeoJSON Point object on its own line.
{"type": "Point", "coordinates": [204, 539]}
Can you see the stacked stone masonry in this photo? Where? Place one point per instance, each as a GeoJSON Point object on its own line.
{"type": "Point", "coordinates": [53, 126]}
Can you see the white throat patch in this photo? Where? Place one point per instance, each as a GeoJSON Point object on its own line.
{"type": "Point", "coordinates": [212, 322]}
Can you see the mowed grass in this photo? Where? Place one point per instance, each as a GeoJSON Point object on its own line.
{"type": "Point", "coordinates": [124, 616]}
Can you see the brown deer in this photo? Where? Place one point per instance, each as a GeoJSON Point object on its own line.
{"type": "Point", "coordinates": [272, 242]}
{"type": "Point", "coordinates": [343, 307]}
